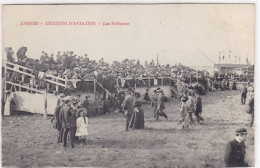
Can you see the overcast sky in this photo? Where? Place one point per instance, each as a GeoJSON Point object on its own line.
{"type": "Point", "coordinates": [191, 34]}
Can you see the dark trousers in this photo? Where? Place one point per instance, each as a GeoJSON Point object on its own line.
{"type": "Point", "coordinates": [191, 119]}
{"type": "Point", "coordinates": [252, 120]}
{"type": "Point", "coordinates": [243, 99]}
{"type": "Point", "coordinates": [72, 131]}
{"type": "Point", "coordinates": [60, 135]}
{"type": "Point", "coordinates": [198, 117]}
{"type": "Point", "coordinates": [159, 112]}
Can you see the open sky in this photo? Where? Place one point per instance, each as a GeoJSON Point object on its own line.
{"type": "Point", "coordinates": [191, 34]}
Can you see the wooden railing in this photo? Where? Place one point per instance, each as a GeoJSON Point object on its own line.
{"type": "Point", "coordinates": [50, 79]}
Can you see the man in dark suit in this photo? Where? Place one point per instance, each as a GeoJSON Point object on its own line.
{"type": "Point", "coordinates": [236, 150]}
{"type": "Point", "coordinates": [243, 94]}
{"type": "Point", "coordinates": [67, 117]}
{"type": "Point", "coordinates": [128, 106]}
{"type": "Point", "coordinates": [57, 122]}
{"type": "Point", "coordinates": [198, 110]}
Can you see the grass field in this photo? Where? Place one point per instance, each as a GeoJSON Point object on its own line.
{"type": "Point", "coordinates": [30, 141]}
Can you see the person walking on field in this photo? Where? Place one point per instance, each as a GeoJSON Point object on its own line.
{"type": "Point", "coordinates": [160, 104]}
{"type": "Point", "coordinates": [198, 107]}
{"type": "Point", "coordinates": [128, 106]}
{"type": "Point", "coordinates": [243, 94]}
{"type": "Point", "coordinates": [82, 127]}
{"type": "Point", "coordinates": [236, 150]}
{"type": "Point", "coordinates": [191, 108]}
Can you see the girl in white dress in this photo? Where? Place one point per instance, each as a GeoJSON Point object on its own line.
{"type": "Point", "coordinates": [82, 127]}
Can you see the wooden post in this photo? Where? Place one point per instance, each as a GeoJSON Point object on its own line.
{"type": "Point", "coordinates": [95, 86]}
{"type": "Point", "coordinates": [48, 87]}
{"type": "Point", "coordinates": [57, 88]}
{"type": "Point", "coordinates": [162, 82]}
{"type": "Point", "coordinates": [23, 78]}
{"type": "Point", "coordinates": [117, 81]}
{"type": "Point", "coordinates": [197, 75]}
{"type": "Point", "coordinates": [20, 86]}
{"type": "Point", "coordinates": [45, 105]}
{"type": "Point", "coordinates": [149, 81]}
{"type": "Point", "coordinates": [5, 74]}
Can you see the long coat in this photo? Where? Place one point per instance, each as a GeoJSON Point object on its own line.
{"type": "Point", "coordinates": [198, 105]}
{"type": "Point", "coordinates": [65, 116]}
{"type": "Point", "coordinates": [137, 120]}
{"type": "Point", "coordinates": [128, 105]}
{"type": "Point", "coordinates": [235, 154]}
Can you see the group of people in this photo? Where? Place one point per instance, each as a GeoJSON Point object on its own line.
{"type": "Point", "coordinates": [68, 65]}
{"type": "Point", "coordinates": [71, 117]}
{"type": "Point", "coordinates": [190, 105]}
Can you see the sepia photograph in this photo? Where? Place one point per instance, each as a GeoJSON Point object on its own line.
{"type": "Point", "coordinates": [128, 85]}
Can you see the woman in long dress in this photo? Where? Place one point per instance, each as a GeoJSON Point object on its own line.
{"type": "Point", "coordinates": [146, 96]}
{"type": "Point", "coordinates": [9, 97]}
{"type": "Point", "coordinates": [137, 120]}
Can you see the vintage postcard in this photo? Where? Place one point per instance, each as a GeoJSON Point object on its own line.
{"type": "Point", "coordinates": [128, 85]}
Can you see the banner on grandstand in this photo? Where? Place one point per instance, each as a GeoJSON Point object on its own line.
{"type": "Point", "coordinates": [35, 103]}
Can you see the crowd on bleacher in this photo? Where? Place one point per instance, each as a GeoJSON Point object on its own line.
{"type": "Point", "coordinates": [68, 65]}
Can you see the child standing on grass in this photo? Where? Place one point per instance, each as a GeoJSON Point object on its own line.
{"type": "Point", "coordinates": [184, 113]}
{"type": "Point", "coordinates": [82, 127]}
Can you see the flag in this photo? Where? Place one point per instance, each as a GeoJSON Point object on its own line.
{"type": "Point", "coordinates": [229, 54]}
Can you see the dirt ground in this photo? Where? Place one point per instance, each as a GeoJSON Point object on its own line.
{"type": "Point", "coordinates": [30, 141]}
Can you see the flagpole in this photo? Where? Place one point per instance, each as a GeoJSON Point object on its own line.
{"type": "Point", "coordinates": [219, 64]}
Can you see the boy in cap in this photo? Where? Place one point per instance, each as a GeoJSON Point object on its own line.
{"type": "Point", "coordinates": [236, 150]}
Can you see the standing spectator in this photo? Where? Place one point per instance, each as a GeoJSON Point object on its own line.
{"type": "Point", "coordinates": [88, 104]}
{"type": "Point", "coordinates": [160, 104]}
{"type": "Point", "coordinates": [82, 127]}
{"type": "Point", "coordinates": [198, 110]}
{"type": "Point", "coordinates": [57, 122]}
{"type": "Point", "coordinates": [65, 118]}
{"type": "Point", "coordinates": [137, 120]}
{"type": "Point", "coordinates": [243, 94]}
{"type": "Point", "coordinates": [236, 150]}
{"type": "Point", "coordinates": [128, 106]}
{"type": "Point", "coordinates": [146, 96]}
{"type": "Point", "coordinates": [9, 98]}
{"type": "Point", "coordinates": [191, 108]}
{"type": "Point", "coordinates": [251, 109]}
{"type": "Point", "coordinates": [183, 112]}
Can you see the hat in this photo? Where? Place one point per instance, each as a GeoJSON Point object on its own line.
{"type": "Point", "coordinates": [137, 104]}
{"type": "Point", "coordinates": [241, 130]}
{"type": "Point", "coordinates": [87, 96]}
{"type": "Point", "coordinates": [184, 99]}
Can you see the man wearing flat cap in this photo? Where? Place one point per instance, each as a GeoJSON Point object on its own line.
{"type": "Point", "coordinates": [236, 150]}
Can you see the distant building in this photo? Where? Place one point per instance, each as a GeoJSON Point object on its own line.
{"type": "Point", "coordinates": [231, 70]}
